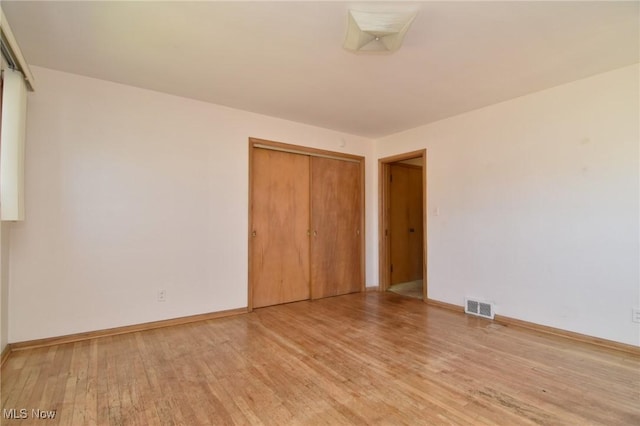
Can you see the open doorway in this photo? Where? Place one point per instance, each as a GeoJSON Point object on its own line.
{"type": "Point", "coordinates": [403, 224]}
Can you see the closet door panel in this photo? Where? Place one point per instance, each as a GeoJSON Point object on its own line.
{"type": "Point", "coordinates": [280, 221]}
{"type": "Point", "coordinates": [336, 205]}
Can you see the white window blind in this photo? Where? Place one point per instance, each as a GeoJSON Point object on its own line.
{"type": "Point", "coordinates": [12, 135]}
{"type": "Point", "coordinates": [16, 79]}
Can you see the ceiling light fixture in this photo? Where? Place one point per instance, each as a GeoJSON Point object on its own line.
{"type": "Point", "coordinates": [377, 31]}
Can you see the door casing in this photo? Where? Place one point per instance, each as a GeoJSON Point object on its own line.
{"type": "Point", "coordinates": [383, 218]}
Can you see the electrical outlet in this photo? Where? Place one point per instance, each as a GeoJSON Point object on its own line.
{"type": "Point", "coordinates": [162, 296]}
{"type": "Point", "coordinates": [636, 315]}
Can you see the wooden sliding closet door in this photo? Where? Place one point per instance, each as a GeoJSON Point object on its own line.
{"type": "Point", "coordinates": [280, 220]}
{"type": "Point", "coordinates": [336, 205]}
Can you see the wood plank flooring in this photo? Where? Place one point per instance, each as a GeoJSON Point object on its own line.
{"type": "Point", "coordinates": [367, 358]}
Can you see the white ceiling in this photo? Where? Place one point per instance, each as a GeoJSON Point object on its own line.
{"type": "Point", "coordinates": [285, 59]}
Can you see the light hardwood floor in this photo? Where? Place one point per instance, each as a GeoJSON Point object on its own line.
{"type": "Point", "coordinates": [369, 358]}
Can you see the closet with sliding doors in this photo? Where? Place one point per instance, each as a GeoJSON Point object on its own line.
{"type": "Point", "coordinates": [306, 214]}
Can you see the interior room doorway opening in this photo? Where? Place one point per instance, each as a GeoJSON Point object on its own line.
{"type": "Point", "coordinates": [403, 224]}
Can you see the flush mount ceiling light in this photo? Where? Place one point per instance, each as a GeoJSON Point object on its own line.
{"type": "Point", "coordinates": [377, 31]}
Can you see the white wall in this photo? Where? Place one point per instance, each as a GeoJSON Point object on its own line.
{"type": "Point", "coordinates": [4, 285]}
{"type": "Point", "coordinates": [538, 202]}
{"type": "Point", "coordinates": [129, 191]}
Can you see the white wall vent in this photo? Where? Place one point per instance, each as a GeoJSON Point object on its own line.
{"type": "Point", "coordinates": [478, 308]}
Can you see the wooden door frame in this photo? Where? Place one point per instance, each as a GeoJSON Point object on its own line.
{"type": "Point", "coordinates": [255, 143]}
{"type": "Point", "coordinates": [384, 261]}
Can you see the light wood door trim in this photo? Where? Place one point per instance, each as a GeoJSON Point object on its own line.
{"type": "Point", "coordinates": [302, 150]}
{"type": "Point", "coordinates": [383, 217]}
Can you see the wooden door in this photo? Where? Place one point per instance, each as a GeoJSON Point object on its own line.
{"type": "Point", "coordinates": [336, 243]}
{"type": "Point", "coordinates": [280, 222]}
{"type": "Point", "coordinates": [405, 223]}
